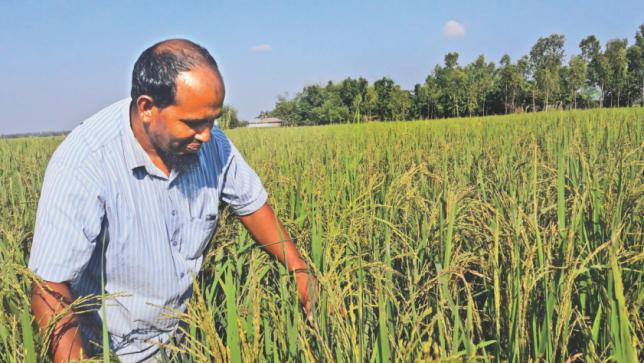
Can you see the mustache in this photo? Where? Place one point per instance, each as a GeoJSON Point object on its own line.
{"type": "Point", "coordinates": [190, 141]}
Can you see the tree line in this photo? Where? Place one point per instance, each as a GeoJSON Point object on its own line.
{"type": "Point", "coordinates": [608, 76]}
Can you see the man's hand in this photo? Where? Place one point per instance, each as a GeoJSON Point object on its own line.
{"type": "Point", "coordinates": [47, 300]}
{"type": "Point", "coordinates": [307, 291]}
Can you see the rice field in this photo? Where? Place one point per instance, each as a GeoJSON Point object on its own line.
{"type": "Point", "coordinates": [512, 238]}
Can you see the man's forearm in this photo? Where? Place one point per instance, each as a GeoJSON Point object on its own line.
{"type": "Point", "coordinates": [269, 232]}
{"type": "Point", "coordinates": [47, 301]}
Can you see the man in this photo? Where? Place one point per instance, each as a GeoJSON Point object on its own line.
{"type": "Point", "coordinates": [132, 195]}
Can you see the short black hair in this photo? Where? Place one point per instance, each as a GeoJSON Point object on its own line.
{"type": "Point", "coordinates": [155, 71]}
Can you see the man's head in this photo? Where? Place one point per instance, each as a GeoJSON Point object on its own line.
{"type": "Point", "coordinates": [177, 92]}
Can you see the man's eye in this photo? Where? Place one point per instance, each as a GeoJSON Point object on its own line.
{"type": "Point", "coordinates": [196, 123]}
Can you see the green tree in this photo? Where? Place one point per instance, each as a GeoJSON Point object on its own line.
{"type": "Point", "coordinates": [618, 69]}
{"type": "Point", "coordinates": [401, 104]}
{"type": "Point", "coordinates": [509, 81]}
{"type": "Point", "coordinates": [229, 118]}
{"type": "Point", "coordinates": [528, 86]}
{"type": "Point", "coordinates": [480, 82]}
{"type": "Point", "coordinates": [635, 56]}
{"type": "Point", "coordinates": [384, 88]}
{"type": "Point", "coordinates": [370, 102]}
{"type": "Point", "coordinates": [420, 100]}
{"type": "Point", "coordinates": [598, 67]}
{"type": "Point", "coordinates": [613, 76]}
{"type": "Point", "coordinates": [545, 60]}
{"type": "Point", "coordinates": [506, 78]}
{"type": "Point", "coordinates": [425, 99]}
{"type": "Point", "coordinates": [332, 111]}
{"type": "Point", "coordinates": [452, 82]}
{"type": "Point", "coordinates": [286, 110]}
{"type": "Point", "coordinates": [352, 92]}
{"type": "Point", "coordinates": [310, 104]}
{"type": "Point", "coordinates": [434, 95]}
{"type": "Point", "coordinates": [576, 77]}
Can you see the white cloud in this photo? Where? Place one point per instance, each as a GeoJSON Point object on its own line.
{"type": "Point", "coordinates": [454, 29]}
{"type": "Point", "coordinates": [261, 48]}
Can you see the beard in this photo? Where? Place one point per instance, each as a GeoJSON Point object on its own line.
{"type": "Point", "coordinates": [180, 159]}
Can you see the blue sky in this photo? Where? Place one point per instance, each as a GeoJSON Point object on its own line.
{"type": "Point", "coordinates": [61, 61]}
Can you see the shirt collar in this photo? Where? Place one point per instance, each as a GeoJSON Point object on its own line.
{"type": "Point", "coordinates": [135, 156]}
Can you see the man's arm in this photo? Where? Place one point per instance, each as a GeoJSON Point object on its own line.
{"type": "Point", "coordinates": [47, 300]}
{"type": "Point", "coordinates": [266, 229]}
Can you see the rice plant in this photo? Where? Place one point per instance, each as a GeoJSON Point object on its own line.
{"type": "Point", "coordinates": [508, 238]}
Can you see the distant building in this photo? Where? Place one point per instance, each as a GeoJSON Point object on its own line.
{"type": "Point", "coordinates": [266, 122]}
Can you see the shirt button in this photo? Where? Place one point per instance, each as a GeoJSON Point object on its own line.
{"type": "Point", "coordinates": [174, 212]}
{"type": "Point", "coordinates": [182, 275]}
{"type": "Point", "coordinates": [174, 243]}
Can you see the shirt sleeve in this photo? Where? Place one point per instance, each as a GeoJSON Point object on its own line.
{"type": "Point", "coordinates": [242, 189]}
{"type": "Point", "coordinates": [68, 222]}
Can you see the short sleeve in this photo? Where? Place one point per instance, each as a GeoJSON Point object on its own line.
{"type": "Point", "coordinates": [242, 189]}
{"type": "Point", "coordinates": [68, 222]}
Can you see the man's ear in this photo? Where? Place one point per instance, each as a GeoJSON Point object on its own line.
{"type": "Point", "coordinates": [146, 108]}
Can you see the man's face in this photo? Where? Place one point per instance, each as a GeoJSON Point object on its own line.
{"type": "Point", "coordinates": [181, 128]}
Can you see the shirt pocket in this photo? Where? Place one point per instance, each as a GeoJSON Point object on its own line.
{"type": "Point", "coordinates": [196, 234]}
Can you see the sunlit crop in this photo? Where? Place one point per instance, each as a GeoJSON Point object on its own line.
{"type": "Point", "coordinates": [514, 238]}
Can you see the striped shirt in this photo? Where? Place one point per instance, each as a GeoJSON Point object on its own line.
{"type": "Point", "coordinates": [101, 186]}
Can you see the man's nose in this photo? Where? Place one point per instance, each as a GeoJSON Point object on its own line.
{"type": "Point", "coordinates": [203, 135]}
